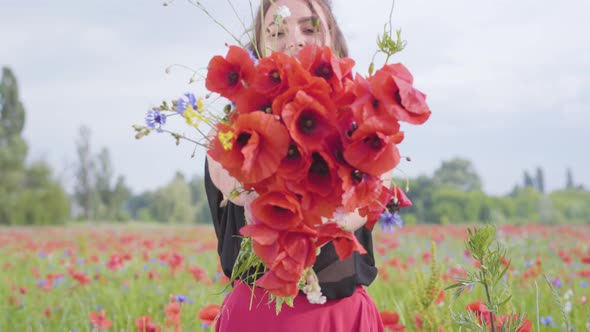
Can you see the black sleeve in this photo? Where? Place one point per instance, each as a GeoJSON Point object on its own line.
{"type": "Point", "coordinates": [227, 222]}
{"type": "Point", "coordinates": [339, 279]}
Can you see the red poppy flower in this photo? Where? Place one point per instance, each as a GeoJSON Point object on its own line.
{"type": "Point", "coordinates": [360, 189]}
{"type": "Point", "coordinates": [392, 85]}
{"type": "Point", "coordinates": [99, 320]}
{"type": "Point", "coordinates": [344, 242]}
{"type": "Point", "coordinates": [264, 241]}
{"type": "Point", "coordinates": [277, 210]}
{"type": "Point", "coordinates": [300, 80]}
{"type": "Point", "coordinates": [391, 321]}
{"type": "Point", "coordinates": [374, 210]}
{"type": "Point", "coordinates": [172, 311]}
{"type": "Point", "coordinates": [320, 62]}
{"type": "Point", "coordinates": [277, 286]}
{"type": "Point", "coordinates": [251, 100]}
{"type": "Point", "coordinates": [373, 147]}
{"type": "Point", "coordinates": [526, 326]}
{"type": "Point", "coordinates": [300, 245]}
{"type": "Point", "coordinates": [145, 324]}
{"type": "Point", "coordinates": [227, 76]}
{"type": "Point", "coordinates": [320, 190]}
{"type": "Point", "coordinates": [209, 313]}
{"type": "Point", "coordinates": [295, 164]}
{"type": "Point", "coordinates": [366, 105]}
{"type": "Point", "coordinates": [309, 121]}
{"type": "Point", "coordinates": [271, 74]}
{"type": "Point", "coordinates": [402, 199]}
{"type": "Point", "coordinates": [260, 143]}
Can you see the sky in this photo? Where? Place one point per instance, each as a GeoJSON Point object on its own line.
{"type": "Point", "coordinates": [508, 82]}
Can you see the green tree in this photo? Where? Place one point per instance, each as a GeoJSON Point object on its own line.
{"type": "Point", "coordinates": [459, 174]}
{"type": "Point", "coordinates": [13, 148]}
{"type": "Point", "coordinates": [85, 189]}
{"type": "Point", "coordinates": [528, 181]}
{"type": "Point", "coordinates": [540, 180]}
{"type": "Point", "coordinates": [569, 179]}
{"type": "Point", "coordinates": [199, 200]}
{"type": "Point", "coordinates": [173, 202]}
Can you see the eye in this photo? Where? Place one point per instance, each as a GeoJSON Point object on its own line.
{"type": "Point", "coordinates": [277, 34]}
{"type": "Point", "coordinates": [309, 31]}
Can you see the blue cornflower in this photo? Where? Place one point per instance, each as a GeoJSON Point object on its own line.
{"type": "Point", "coordinates": [155, 119]}
{"type": "Point", "coordinates": [557, 283]}
{"type": "Point", "coordinates": [583, 284]}
{"type": "Point", "coordinates": [253, 57]}
{"type": "Point", "coordinates": [183, 103]}
{"type": "Point", "coordinates": [528, 263]}
{"type": "Point", "coordinates": [180, 298]}
{"type": "Point", "coordinates": [547, 320]}
{"type": "Point", "coordinates": [81, 261]}
{"type": "Point", "coordinates": [388, 220]}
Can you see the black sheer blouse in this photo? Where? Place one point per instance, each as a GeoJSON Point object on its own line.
{"type": "Point", "coordinates": [338, 279]}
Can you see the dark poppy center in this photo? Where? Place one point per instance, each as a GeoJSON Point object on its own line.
{"type": "Point", "coordinates": [319, 166]}
{"type": "Point", "coordinates": [397, 97]}
{"type": "Point", "coordinates": [324, 70]}
{"type": "Point", "coordinates": [275, 76]}
{"type": "Point", "coordinates": [307, 123]}
{"type": "Point", "coordinates": [353, 127]}
{"type": "Point", "coordinates": [232, 78]}
{"type": "Point", "coordinates": [293, 153]}
{"type": "Point", "coordinates": [357, 176]}
{"type": "Point", "coordinates": [375, 103]}
{"type": "Point", "coordinates": [280, 209]}
{"type": "Point", "coordinates": [374, 142]}
{"type": "Point", "coordinates": [243, 139]}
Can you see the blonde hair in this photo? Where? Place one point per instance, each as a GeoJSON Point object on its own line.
{"type": "Point", "coordinates": [339, 46]}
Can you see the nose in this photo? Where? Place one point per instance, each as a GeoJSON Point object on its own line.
{"type": "Point", "coordinates": [295, 42]}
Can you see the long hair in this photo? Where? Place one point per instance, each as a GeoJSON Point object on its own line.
{"type": "Point", "coordinates": [339, 43]}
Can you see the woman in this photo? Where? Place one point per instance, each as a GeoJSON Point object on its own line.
{"type": "Point", "coordinates": [349, 307]}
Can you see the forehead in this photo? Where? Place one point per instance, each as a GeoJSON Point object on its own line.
{"type": "Point", "coordinates": [298, 9]}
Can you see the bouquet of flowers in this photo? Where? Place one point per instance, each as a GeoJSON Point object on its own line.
{"type": "Point", "coordinates": [312, 140]}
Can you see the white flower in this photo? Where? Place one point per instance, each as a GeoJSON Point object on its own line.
{"type": "Point", "coordinates": [316, 298]}
{"type": "Point", "coordinates": [567, 308]}
{"type": "Point", "coordinates": [283, 12]}
{"type": "Point", "coordinates": [568, 294]}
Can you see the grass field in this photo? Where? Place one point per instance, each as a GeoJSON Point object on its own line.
{"type": "Point", "coordinates": [56, 279]}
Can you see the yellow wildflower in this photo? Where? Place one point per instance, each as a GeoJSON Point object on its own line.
{"type": "Point", "coordinates": [226, 139]}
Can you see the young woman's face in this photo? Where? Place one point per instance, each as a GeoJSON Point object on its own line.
{"type": "Point", "coordinates": [302, 27]}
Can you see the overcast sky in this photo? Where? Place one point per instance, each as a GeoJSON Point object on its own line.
{"type": "Point", "coordinates": [508, 82]}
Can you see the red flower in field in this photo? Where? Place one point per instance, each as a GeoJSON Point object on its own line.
{"type": "Point", "coordinates": [373, 147]}
{"type": "Point", "coordinates": [309, 121]}
{"type": "Point", "coordinates": [145, 324]}
{"type": "Point", "coordinates": [526, 326]}
{"type": "Point", "coordinates": [260, 143]}
{"type": "Point", "coordinates": [172, 311]}
{"type": "Point", "coordinates": [47, 312]}
{"type": "Point", "coordinates": [480, 310]}
{"type": "Point", "coordinates": [175, 261]}
{"type": "Point", "coordinates": [344, 242]}
{"type": "Point", "coordinates": [115, 262]}
{"type": "Point", "coordinates": [99, 320]}
{"type": "Point", "coordinates": [199, 274]}
{"type": "Point", "coordinates": [209, 313]}
{"type": "Point", "coordinates": [392, 85]}
{"type": "Point", "coordinates": [23, 290]}
{"type": "Point", "coordinates": [277, 210]}
{"type": "Point", "coordinates": [585, 260]}
{"type": "Point", "coordinates": [80, 277]}
{"type": "Point", "coordinates": [227, 76]}
{"type": "Point", "coordinates": [391, 321]}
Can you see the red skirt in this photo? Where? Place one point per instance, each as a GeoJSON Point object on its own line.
{"type": "Point", "coordinates": [351, 314]}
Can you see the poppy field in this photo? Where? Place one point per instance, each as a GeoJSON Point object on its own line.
{"type": "Point", "coordinates": [167, 278]}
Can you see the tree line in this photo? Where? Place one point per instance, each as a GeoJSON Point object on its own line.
{"type": "Point", "coordinates": [32, 194]}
